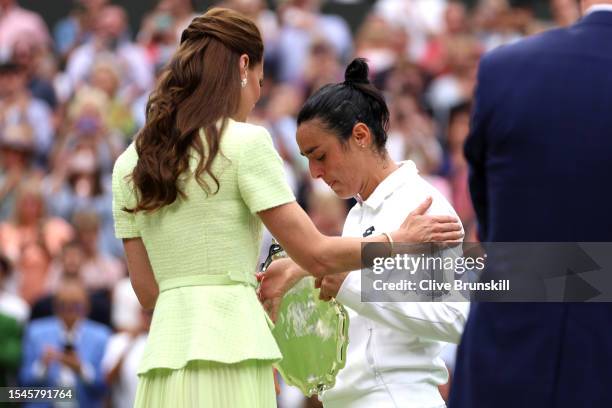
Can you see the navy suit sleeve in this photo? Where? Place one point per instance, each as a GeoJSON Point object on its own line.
{"type": "Point", "coordinates": [475, 151]}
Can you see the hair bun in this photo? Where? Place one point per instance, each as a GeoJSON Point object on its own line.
{"type": "Point", "coordinates": [357, 72]}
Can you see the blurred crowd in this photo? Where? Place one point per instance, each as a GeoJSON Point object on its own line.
{"type": "Point", "coordinates": [73, 96]}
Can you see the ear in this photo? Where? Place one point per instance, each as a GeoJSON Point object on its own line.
{"type": "Point", "coordinates": [244, 62]}
{"type": "Point", "coordinates": [361, 135]}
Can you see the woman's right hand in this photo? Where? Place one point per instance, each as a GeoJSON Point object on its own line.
{"type": "Point", "coordinates": [278, 278]}
{"type": "Point", "coordinates": [418, 227]}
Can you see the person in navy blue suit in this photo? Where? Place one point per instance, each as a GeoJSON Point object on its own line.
{"type": "Point", "coordinates": [540, 156]}
{"type": "Point", "coordinates": [66, 350]}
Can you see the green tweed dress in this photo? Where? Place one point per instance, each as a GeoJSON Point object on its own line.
{"type": "Point", "coordinates": [210, 344]}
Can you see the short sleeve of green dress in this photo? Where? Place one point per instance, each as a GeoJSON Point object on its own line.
{"type": "Point", "coordinates": [204, 251]}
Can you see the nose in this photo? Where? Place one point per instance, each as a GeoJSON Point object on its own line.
{"type": "Point", "coordinates": [316, 169]}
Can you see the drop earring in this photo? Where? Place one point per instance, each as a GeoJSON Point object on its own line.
{"type": "Point", "coordinates": [243, 81]}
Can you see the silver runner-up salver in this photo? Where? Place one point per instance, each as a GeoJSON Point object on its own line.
{"type": "Point", "coordinates": [312, 334]}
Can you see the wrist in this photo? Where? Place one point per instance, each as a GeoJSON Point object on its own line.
{"type": "Point", "coordinates": [297, 272]}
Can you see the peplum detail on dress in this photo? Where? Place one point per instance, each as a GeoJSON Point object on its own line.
{"type": "Point", "coordinates": [222, 323]}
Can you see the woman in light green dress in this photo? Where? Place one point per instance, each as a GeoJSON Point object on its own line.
{"type": "Point", "coordinates": [189, 198]}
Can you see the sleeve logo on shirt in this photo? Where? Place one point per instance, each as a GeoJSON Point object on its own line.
{"type": "Point", "coordinates": [368, 232]}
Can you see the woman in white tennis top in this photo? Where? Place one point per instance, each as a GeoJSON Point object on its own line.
{"type": "Point", "coordinates": [393, 353]}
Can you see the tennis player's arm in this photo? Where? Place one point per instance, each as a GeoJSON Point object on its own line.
{"type": "Point", "coordinates": [141, 272]}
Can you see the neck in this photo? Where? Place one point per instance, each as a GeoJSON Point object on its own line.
{"type": "Point", "coordinates": [380, 171]}
{"type": "Point", "coordinates": [69, 325]}
{"type": "Point", "coordinates": [585, 4]}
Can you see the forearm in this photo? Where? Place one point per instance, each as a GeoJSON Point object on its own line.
{"type": "Point", "coordinates": [141, 273]}
{"type": "Point", "coordinates": [436, 321]}
{"type": "Point", "coordinates": [338, 254]}
{"type": "Point", "coordinates": [314, 252]}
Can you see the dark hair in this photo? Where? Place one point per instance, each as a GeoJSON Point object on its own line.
{"type": "Point", "coordinates": [198, 88]}
{"type": "Point", "coordinates": [339, 107]}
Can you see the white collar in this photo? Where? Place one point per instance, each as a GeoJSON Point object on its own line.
{"type": "Point", "coordinates": [391, 183]}
{"type": "Point", "coordinates": [598, 7]}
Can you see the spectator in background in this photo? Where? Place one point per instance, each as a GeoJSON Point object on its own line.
{"type": "Point", "coordinates": [565, 12]}
{"type": "Point", "coordinates": [29, 56]}
{"type": "Point", "coordinates": [458, 83]}
{"type": "Point", "coordinates": [99, 271]}
{"type": "Point", "coordinates": [68, 266]}
{"type": "Point", "coordinates": [322, 66]}
{"type": "Point", "coordinates": [268, 24]}
{"type": "Point", "coordinates": [11, 304]}
{"type": "Point", "coordinates": [17, 22]}
{"type": "Point", "coordinates": [13, 314]}
{"type": "Point", "coordinates": [412, 135]}
{"type": "Point", "coordinates": [404, 76]}
{"type": "Point", "coordinates": [125, 312]}
{"type": "Point", "coordinates": [16, 152]}
{"type": "Point", "coordinates": [31, 238]}
{"type": "Point", "coordinates": [85, 189]}
{"type": "Point", "coordinates": [33, 271]}
{"type": "Point", "coordinates": [278, 117]}
{"type": "Point", "coordinates": [181, 11]}
{"type": "Point", "coordinates": [158, 37]}
{"type": "Point", "coordinates": [78, 27]}
{"type": "Point", "coordinates": [17, 106]}
{"type": "Point", "coordinates": [419, 18]}
{"type": "Point", "coordinates": [121, 358]}
{"type": "Point", "coordinates": [301, 24]}
{"type": "Point", "coordinates": [88, 126]}
{"type": "Point", "coordinates": [435, 57]}
{"type": "Point", "coordinates": [382, 44]}
{"type": "Point", "coordinates": [327, 211]}
{"type": "Point", "coordinates": [111, 40]}
{"type": "Point", "coordinates": [66, 350]}
{"type": "Point", "coordinates": [116, 115]}
{"type": "Point", "coordinates": [458, 129]}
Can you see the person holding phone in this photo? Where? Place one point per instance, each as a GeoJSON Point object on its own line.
{"type": "Point", "coordinates": [66, 350]}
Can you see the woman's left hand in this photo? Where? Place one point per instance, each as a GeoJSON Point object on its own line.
{"type": "Point", "coordinates": [280, 276]}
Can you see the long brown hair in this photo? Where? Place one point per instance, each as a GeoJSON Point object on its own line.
{"type": "Point", "coordinates": [199, 87]}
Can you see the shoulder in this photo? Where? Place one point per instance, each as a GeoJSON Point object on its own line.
{"type": "Point", "coordinates": [417, 189]}
{"type": "Point", "coordinates": [39, 328]}
{"type": "Point", "coordinates": [246, 133]}
{"type": "Point", "coordinates": [248, 141]}
{"type": "Point", "coordinates": [96, 330]}
{"type": "Point", "coordinates": [126, 162]}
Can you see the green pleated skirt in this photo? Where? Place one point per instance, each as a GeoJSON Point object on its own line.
{"type": "Point", "coordinates": [208, 384]}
